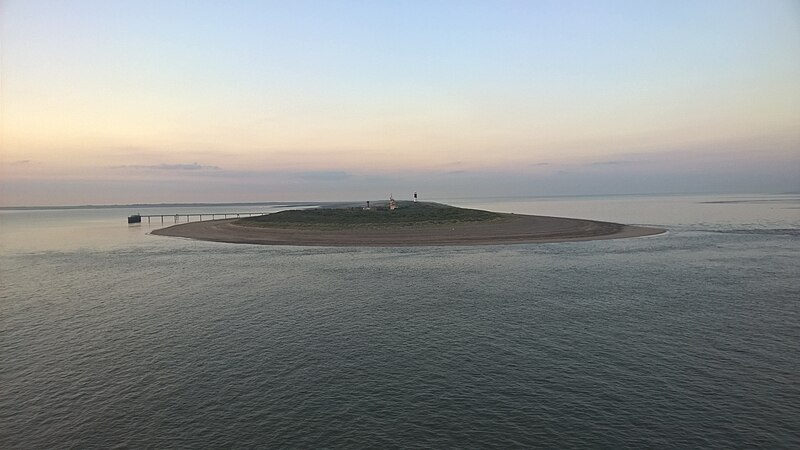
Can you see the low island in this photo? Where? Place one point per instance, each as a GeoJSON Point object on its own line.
{"type": "Point", "coordinates": [401, 224]}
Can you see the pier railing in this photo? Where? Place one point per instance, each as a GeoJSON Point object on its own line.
{"type": "Point", "coordinates": [209, 216]}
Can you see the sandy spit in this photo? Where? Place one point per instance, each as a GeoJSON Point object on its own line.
{"type": "Point", "coordinates": [515, 229]}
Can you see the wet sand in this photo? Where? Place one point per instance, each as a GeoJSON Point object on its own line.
{"type": "Point", "coordinates": [513, 229]}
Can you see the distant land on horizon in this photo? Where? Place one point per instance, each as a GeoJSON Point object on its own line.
{"type": "Point", "coordinates": [161, 205]}
{"type": "Point", "coordinates": [328, 202]}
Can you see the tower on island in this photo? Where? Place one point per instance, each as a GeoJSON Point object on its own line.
{"type": "Point", "coordinates": [415, 197]}
{"type": "Point", "coordinates": [392, 203]}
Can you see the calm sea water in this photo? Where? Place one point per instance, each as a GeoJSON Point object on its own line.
{"type": "Point", "coordinates": [111, 337]}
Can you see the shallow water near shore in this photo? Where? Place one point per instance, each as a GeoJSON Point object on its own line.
{"type": "Point", "coordinates": [115, 337]}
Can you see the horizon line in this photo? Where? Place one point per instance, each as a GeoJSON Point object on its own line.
{"type": "Point", "coordinates": [308, 202]}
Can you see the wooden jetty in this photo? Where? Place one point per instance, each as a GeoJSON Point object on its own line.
{"type": "Point", "coordinates": [137, 218]}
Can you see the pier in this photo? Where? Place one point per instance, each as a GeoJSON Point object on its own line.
{"type": "Point", "coordinates": [137, 218]}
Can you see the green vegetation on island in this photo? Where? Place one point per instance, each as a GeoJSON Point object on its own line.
{"type": "Point", "coordinates": [406, 214]}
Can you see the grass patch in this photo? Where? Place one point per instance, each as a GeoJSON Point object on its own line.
{"type": "Point", "coordinates": [406, 214]}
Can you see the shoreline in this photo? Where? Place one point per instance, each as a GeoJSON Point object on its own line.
{"type": "Point", "coordinates": [515, 229]}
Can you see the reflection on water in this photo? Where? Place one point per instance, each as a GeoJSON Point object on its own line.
{"type": "Point", "coordinates": [50, 230]}
{"type": "Point", "coordinates": [681, 212]}
{"type": "Point", "coordinates": [112, 337]}
{"type": "Point", "coordinates": [100, 228]}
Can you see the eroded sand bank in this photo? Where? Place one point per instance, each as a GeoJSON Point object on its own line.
{"type": "Point", "coordinates": [514, 229]}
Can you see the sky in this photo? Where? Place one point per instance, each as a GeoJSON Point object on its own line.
{"type": "Point", "coordinates": [114, 102]}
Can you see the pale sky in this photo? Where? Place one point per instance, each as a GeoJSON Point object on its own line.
{"type": "Point", "coordinates": [179, 101]}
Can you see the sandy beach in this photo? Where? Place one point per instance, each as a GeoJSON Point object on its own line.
{"type": "Point", "coordinates": [515, 229]}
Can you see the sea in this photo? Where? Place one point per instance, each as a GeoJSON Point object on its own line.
{"type": "Point", "coordinates": [111, 337]}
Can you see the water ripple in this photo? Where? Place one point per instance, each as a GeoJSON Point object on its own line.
{"type": "Point", "coordinates": [686, 341]}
